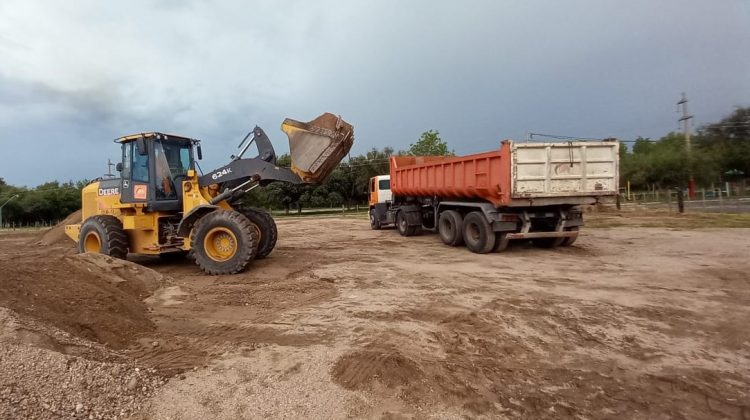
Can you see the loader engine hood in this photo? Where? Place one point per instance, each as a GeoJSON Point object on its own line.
{"type": "Point", "coordinates": [316, 147]}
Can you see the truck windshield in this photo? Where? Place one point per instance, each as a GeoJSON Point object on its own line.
{"type": "Point", "coordinates": [172, 162]}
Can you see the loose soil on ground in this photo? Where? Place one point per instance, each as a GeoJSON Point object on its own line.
{"type": "Point", "coordinates": [341, 321]}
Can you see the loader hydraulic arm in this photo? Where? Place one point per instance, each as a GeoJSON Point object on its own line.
{"type": "Point", "coordinates": [262, 168]}
{"type": "Point", "coordinates": [316, 148]}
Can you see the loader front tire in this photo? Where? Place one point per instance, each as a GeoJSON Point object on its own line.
{"type": "Point", "coordinates": [103, 235]}
{"type": "Point", "coordinates": [266, 230]}
{"type": "Point", "coordinates": [224, 242]}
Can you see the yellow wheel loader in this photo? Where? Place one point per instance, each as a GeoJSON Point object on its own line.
{"type": "Point", "coordinates": [161, 205]}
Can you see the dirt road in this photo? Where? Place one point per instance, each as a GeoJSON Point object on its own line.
{"type": "Point", "coordinates": [343, 321]}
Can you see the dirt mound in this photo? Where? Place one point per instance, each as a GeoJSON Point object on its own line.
{"type": "Point", "coordinates": [48, 373]}
{"type": "Point", "coordinates": [91, 296]}
{"type": "Point", "coordinates": [357, 370]}
{"type": "Point", "coordinates": [56, 235]}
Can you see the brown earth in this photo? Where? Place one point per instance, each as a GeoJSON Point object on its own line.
{"type": "Point", "coordinates": [342, 321]}
{"type": "Point", "coordinates": [56, 235]}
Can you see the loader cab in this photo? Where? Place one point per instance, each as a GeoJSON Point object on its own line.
{"type": "Point", "coordinates": [379, 189]}
{"type": "Point", "coordinates": [154, 165]}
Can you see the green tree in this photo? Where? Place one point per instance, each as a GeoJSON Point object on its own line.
{"type": "Point", "coordinates": [429, 144]}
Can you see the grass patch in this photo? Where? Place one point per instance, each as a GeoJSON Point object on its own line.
{"type": "Point", "coordinates": [663, 219]}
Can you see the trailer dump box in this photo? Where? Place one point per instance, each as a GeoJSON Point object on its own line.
{"type": "Point", "coordinates": [515, 175]}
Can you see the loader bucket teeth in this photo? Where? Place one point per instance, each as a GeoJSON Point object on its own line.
{"type": "Point", "coordinates": [317, 146]}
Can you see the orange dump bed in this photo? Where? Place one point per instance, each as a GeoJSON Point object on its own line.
{"type": "Point", "coordinates": [516, 174]}
{"type": "Point", "coordinates": [483, 176]}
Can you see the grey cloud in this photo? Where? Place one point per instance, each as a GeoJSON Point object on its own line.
{"type": "Point", "coordinates": [477, 71]}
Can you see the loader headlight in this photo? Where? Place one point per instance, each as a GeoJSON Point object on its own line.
{"type": "Point", "coordinates": [188, 186]}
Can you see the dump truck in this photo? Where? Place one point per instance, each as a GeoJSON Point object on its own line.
{"type": "Point", "coordinates": [162, 204]}
{"type": "Point", "coordinates": [523, 190]}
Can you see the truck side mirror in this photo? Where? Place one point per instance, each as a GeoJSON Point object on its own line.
{"type": "Point", "coordinates": [118, 167]}
{"type": "Point", "coordinates": [140, 144]}
{"type": "Point", "coordinates": [200, 152]}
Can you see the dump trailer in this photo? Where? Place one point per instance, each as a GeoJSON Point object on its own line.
{"type": "Point", "coordinates": [161, 204]}
{"type": "Point", "coordinates": [522, 190]}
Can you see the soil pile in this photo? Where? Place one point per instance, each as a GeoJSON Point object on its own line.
{"type": "Point", "coordinates": [91, 296]}
{"type": "Point", "coordinates": [56, 235]}
{"type": "Point", "coordinates": [48, 373]}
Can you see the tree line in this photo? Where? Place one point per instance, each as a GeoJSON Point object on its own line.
{"type": "Point", "coordinates": [347, 186]}
{"type": "Point", "coordinates": [720, 152]}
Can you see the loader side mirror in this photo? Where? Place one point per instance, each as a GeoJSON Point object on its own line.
{"type": "Point", "coordinates": [118, 167]}
{"type": "Point", "coordinates": [200, 152]}
{"type": "Point", "coordinates": [140, 144]}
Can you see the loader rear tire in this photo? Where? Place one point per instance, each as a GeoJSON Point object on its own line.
{"type": "Point", "coordinates": [451, 228]}
{"type": "Point", "coordinates": [266, 229]}
{"type": "Point", "coordinates": [224, 242]}
{"type": "Point", "coordinates": [103, 235]}
{"type": "Point", "coordinates": [478, 234]}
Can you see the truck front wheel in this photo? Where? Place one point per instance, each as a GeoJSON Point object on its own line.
{"type": "Point", "coordinates": [374, 221]}
{"type": "Point", "coordinates": [478, 234]}
{"type": "Point", "coordinates": [450, 228]}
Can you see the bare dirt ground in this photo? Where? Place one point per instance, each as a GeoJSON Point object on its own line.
{"type": "Point", "coordinates": [341, 321]}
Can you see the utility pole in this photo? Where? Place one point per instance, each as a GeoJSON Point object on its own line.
{"type": "Point", "coordinates": [685, 120]}
{"type": "Point", "coordinates": [109, 169]}
{"type": "Point", "coordinates": [1, 209]}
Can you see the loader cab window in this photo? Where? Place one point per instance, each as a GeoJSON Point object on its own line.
{"type": "Point", "coordinates": [172, 161]}
{"type": "Point", "coordinates": [140, 164]}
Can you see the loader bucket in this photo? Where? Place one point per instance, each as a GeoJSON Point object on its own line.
{"type": "Point", "coordinates": [316, 147]}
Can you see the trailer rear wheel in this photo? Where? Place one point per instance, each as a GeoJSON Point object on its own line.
{"type": "Point", "coordinates": [450, 228]}
{"type": "Point", "coordinates": [570, 239]}
{"type": "Point", "coordinates": [478, 234]}
{"type": "Point", "coordinates": [403, 225]}
{"type": "Point", "coordinates": [548, 242]}
{"type": "Point", "coordinates": [501, 242]}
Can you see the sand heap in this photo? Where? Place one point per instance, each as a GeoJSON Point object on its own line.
{"type": "Point", "coordinates": [63, 319]}
{"type": "Point", "coordinates": [56, 235]}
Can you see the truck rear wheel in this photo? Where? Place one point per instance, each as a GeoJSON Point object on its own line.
{"type": "Point", "coordinates": [478, 234]}
{"type": "Point", "coordinates": [103, 235]}
{"type": "Point", "coordinates": [403, 225]}
{"type": "Point", "coordinates": [450, 228]}
{"type": "Point", "coordinates": [224, 242]}
{"type": "Point", "coordinates": [265, 229]}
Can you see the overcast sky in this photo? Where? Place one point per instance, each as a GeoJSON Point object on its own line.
{"type": "Point", "coordinates": [76, 74]}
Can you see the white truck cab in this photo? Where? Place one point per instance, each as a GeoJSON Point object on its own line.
{"type": "Point", "coordinates": [379, 189]}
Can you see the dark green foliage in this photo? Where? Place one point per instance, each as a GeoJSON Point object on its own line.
{"type": "Point", "coordinates": [48, 202]}
{"type": "Point", "coordinates": [430, 144]}
{"type": "Point", "coordinates": [720, 152]}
